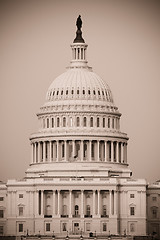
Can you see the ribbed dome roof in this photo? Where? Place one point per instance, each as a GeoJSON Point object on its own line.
{"type": "Point", "coordinates": [79, 84]}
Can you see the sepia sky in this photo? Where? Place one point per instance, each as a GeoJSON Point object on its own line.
{"type": "Point", "coordinates": [124, 49]}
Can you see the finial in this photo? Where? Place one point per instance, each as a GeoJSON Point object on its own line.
{"type": "Point", "coordinates": [79, 38]}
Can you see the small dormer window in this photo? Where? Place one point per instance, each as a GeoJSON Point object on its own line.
{"type": "Point", "coordinates": [62, 92]}
{"type": "Point", "coordinates": [72, 92]}
{"type": "Point", "coordinates": [57, 92]}
{"type": "Point", "coordinates": [83, 92]}
{"type": "Point", "coordinates": [94, 92]}
{"type": "Point", "coordinates": [89, 92]}
{"type": "Point", "coordinates": [78, 91]}
{"type": "Point", "coordinates": [66, 92]}
{"type": "Point", "coordinates": [98, 92]}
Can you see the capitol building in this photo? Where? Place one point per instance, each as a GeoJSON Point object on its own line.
{"type": "Point", "coordinates": [79, 180]}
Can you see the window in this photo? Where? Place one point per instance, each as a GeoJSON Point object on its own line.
{"type": "Point", "coordinates": [108, 122]}
{"type": "Point", "coordinates": [52, 122]}
{"type": "Point", "coordinates": [78, 92]}
{"type": "Point", "coordinates": [92, 150]}
{"type": "Point", "coordinates": [76, 210]}
{"type": "Point", "coordinates": [88, 210]}
{"type": "Point", "coordinates": [62, 92]}
{"type": "Point", "coordinates": [112, 122]}
{"type": "Point", "coordinates": [64, 122]}
{"type": "Point", "coordinates": [1, 213]}
{"type": "Point", "coordinates": [132, 211]}
{"type": "Point", "coordinates": [91, 122]}
{"type": "Point", "coordinates": [98, 122]}
{"type": "Point", "coordinates": [154, 199]}
{"type": "Point", "coordinates": [154, 212]}
{"type": "Point", "coordinates": [65, 210]}
{"type": "Point", "coordinates": [66, 92]}
{"type": "Point", "coordinates": [58, 122]}
{"type": "Point", "coordinates": [89, 92]}
{"type": "Point", "coordinates": [20, 211]}
{"type": "Point", "coordinates": [1, 230]}
{"type": "Point", "coordinates": [85, 150]}
{"type": "Point", "coordinates": [94, 92]}
{"type": "Point", "coordinates": [72, 92]}
{"type": "Point", "coordinates": [20, 227]}
{"type": "Point", "coordinates": [83, 92]}
{"type": "Point", "coordinates": [131, 195]}
{"type": "Point", "coordinates": [20, 195]}
{"type": "Point", "coordinates": [47, 122]}
{"type": "Point", "coordinates": [109, 143]}
{"type": "Point", "coordinates": [43, 123]}
{"type": "Point", "coordinates": [48, 227]}
{"type": "Point", "coordinates": [103, 122]}
{"type": "Point", "coordinates": [87, 226]}
{"type": "Point", "coordinates": [57, 92]}
{"type": "Point", "coordinates": [77, 121]}
{"type": "Point", "coordinates": [64, 227]}
{"type": "Point", "coordinates": [84, 122]}
{"type": "Point", "coordinates": [132, 227]}
{"type": "Point", "coordinates": [104, 210]}
{"type": "Point", "coordinates": [1, 199]}
{"type": "Point", "coordinates": [104, 227]}
{"type": "Point", "coordinates": [62, 150]}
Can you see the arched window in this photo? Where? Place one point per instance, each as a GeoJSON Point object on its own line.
{"type": "Point", "coordinates": [76, 208]}
{"type": "Point", "coordinates": [98, 122]}
{"type": "Point", "coordinates": [108, 122]}
{"type": "Point", "coordinates": [62, 150]}
{"type": "Point", "coordinates": [88, 210]}
{"type": "Point", "coordinates": [103, 122]}
{"type": "Point", "coordinates": [52, 122]}
{"type": "Point", "coordinates": [77, 121]}
{"type": "Point", "coordinates": [57, 121]}
{"type": "Point", "coordinates": [91, 122]}
{"type": "Point", "coordinates": [64, 122]}
{"type": "Point", "coordinates": [84, 122]}
{"type": "Point", "coordinates": [112, 122]}
{"type": "Point", "coordinates": [47, 122]}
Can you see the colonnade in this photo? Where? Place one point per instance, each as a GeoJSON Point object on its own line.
{"type": "Point", "coordinates": [79, 52]}
{"type": "Point", "coordinates": [78, 150]}
{"type": "Point", "coordinates": [97, 208]}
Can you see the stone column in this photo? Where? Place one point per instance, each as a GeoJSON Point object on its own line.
{"type": "Point", "coordinates": [50, 151]}
{"type": "Point", "coordinates": [54, 200]}
{"type": "Point", "coordinates": [32, 152]}
{"type": "Point", "coordinates": [35, 151]}
{"type": "Point", "coordinates": [98, 150]}
{"type": "Point", "coordinates": [37, 203]}
{"type": "Point", "coordinates": [42, 203]}
{"type": "Point", "coordinates": [58, 203]}
{"type": "Point", "coordinates": [110, 202]}
{"type": "Point", "coordinates": [117, 152]}
{"type": "Point", "coordinates": [82, 150]}
{"type": "Point", "coordinates": [65, 150]}
{"type": "Point", "coordinates": [90, 142]}
{"type": "Point", "coordinates": [70, 203]}
{"type": "Point", "coordinates": [82, 203]}
{"type": "Point", "coordinates": [44, 151]}
{"type": "Point", "coordinates": [57, 150]}
{"type": "Point", "coordinates": [39, 152]}
{"type": "Point", "coordinates": [115, 202]}
{"type": "Point", "coordinates": [105, 150]}
{"type": "Point", "coordinates": [73, 148]}
{"type": "Point", "coordinates": [94, 203]}
{"type": "Point", "coordinates": [112, 152]}
{"type": "Point", "coordinates": [98, 203]}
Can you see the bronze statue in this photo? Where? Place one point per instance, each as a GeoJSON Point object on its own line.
{"type": "Point", "coordinates": [79, 22]}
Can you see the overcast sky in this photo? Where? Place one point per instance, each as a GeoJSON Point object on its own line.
{"type": "Point", "coordinates": [124, 49]}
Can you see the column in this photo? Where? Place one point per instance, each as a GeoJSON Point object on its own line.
{"type": "Point", "coordinates": [44, 151]}
{"type": "Point", "coordinates": [58, 203]}
{"type": "Point", "coordinates": [57, 150]}
{"type": "Point", "coordinates": [117, 152]}
{"type": "Point", "coordinates": [115, 202]}
{"type": "Point", "coordinates": [54, 151]}
{"type": "Point", "coordinates": [105, 150]}
{"type": "Point", "coordinates": [73, 148]}
{"type": "Point", "coordinates": [65, 150]}
{"type": "Point", "coordinates": [54, 200]}
{"type": "Point", "coordinates": [70, 203]}
{"type": "Point", "coordinates": [112, 152]}
{"type": "Point", "coordinates": [82, 150]}
{"type": "Point", "coordinates": [42, 203]}
{"type": "Point", "coordinates": [36, 203]}
{"type": "Point", "coordinates": [32, 150]}
{"type": "Point", "coordinates": [50, 151]}
{"type": "Point", "coordinates": [126, 154]}
{"type": "Point", "coordinates": [121, 152]}
{"type": "Point", "coordinates": [39, 152]}
{"type": "Point", "coordinates": [82, 203]}
{"type": "Point", "coordinates": [90, 142]}
{"type": "Point", "coordinates": [98, 203]}
{"type": "Point", "coordinates": [35, 152]}
{"type": "Point", "coordinates": [97, 150]}
{"type": "Point", "coordinates": [94, 203]}
{"type": "Point", "coordinates": [110, 202]}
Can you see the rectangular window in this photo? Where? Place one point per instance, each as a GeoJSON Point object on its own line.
{"type": "Point", "coordinates": [154, 199]}
{"type": "Point", "coordinates": [20, 195]}
{"type": "Point", "coordinates": [132, 211]}
{"type": "Point", "coordinates": [131, 195]}
{"type": "Point", "coordinates": [20, 227]}
{"type": "Point", "coordinates": [64, 227]}
{"type": "Point", "coordinates": [1, 199]}
{"type": "Point", "coordinates": [20, 211]}
{"type": "Point", "coordinates": [48, 227]}
{"type": "Point", "coordinates": [1, 213]}
{"type": "Point", "coordinates": [1, 230]}
{"type": "Point", "coordinates": [87, 226]}
{"type": "Point", "coordinates": [132, 227]}
{"type": "Point", "coordinates": [104, 227]}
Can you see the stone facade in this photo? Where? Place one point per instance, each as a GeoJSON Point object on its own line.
{"type": "Point", "coordinates": [78, 180]}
